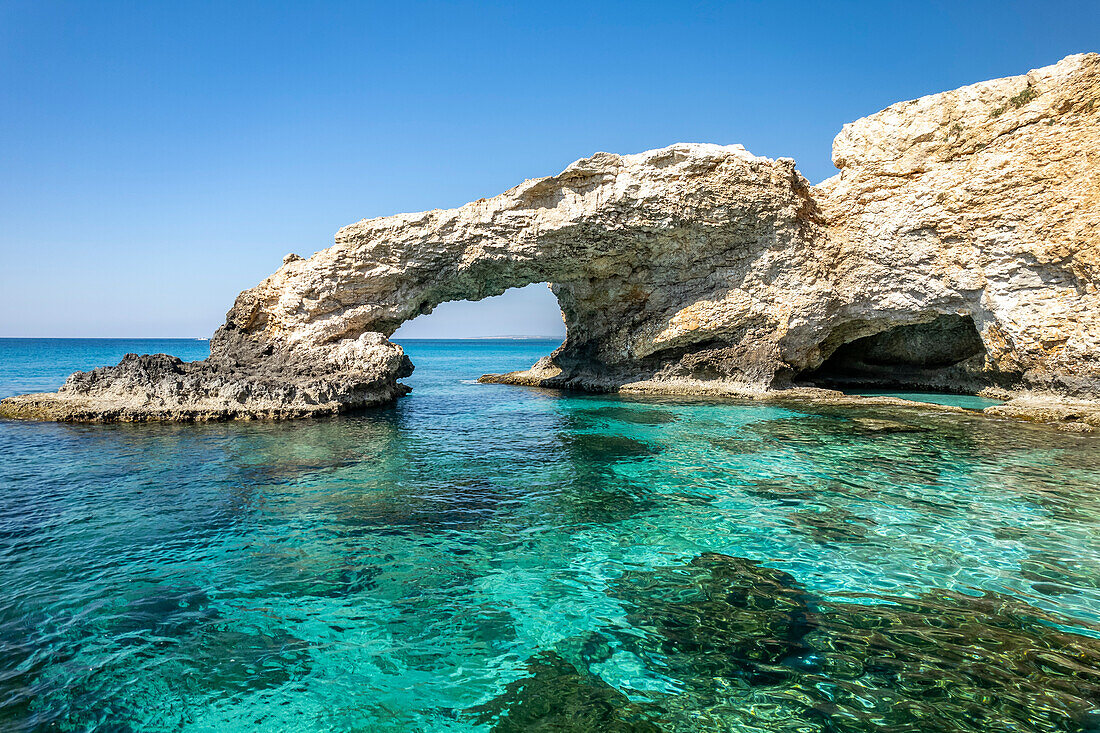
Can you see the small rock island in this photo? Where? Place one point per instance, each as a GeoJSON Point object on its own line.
{"type": "Point", "coordinates": [957, 249]}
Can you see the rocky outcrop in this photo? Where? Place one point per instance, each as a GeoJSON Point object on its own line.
{"type": "Point", "coordinates": [956, 249]}
{"type": "Point", "coordinates": [362, 372]}
{"type": "Point", "coordinates": [666, 263]}
{"type": "Point", "coordinates": [982, 202]}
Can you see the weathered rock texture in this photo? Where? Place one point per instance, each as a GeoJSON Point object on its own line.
{"type": "Point", "coordinates": [982, 202]}
{"type": "Point", "coordinates": [958, 248]}
{"type": "Point", "coordinates": [659, 261]}
{"type": "Point", "coordinates": [358, 373]}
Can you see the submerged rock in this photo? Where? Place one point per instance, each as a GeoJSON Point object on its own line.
{"type": "Point", "coordinates": [555, 696]}
{"type": "Point", "coordinates": [717, 617]}
{"type": "Point", "coordinates": [957, 249]}
{"type": "Point", "coordinates": [749, 646]}
{"type": "Point", "coordinates": [835, 525]}
{"type": "Point", "coordinates": [953, 662]}
{"type": "Point", "coordinates": [875, 425]}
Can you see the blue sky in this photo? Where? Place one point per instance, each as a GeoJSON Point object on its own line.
{"type": "Point", "coordinates": [157, 158]}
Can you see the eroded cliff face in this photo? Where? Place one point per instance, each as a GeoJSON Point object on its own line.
{"type": "Point", "coordinates": [956, 249]}
{"type": "Point", "coordinates": [982, 202]}
{"type": "Point", "coordinates": [684, 261]}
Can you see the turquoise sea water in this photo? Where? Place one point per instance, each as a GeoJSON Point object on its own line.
{"type": "Point", "coordinates": [486, 557]}
{"type": "Point", "coordinates": [969, 402]}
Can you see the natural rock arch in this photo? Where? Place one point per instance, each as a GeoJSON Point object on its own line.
{"type": "Point", "coordinates": [699, 268]}
{"type": "Point", "coordinates": [634, 246]}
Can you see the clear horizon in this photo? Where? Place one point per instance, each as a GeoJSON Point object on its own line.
{"type": "Point", "coordinates": [159, 159]}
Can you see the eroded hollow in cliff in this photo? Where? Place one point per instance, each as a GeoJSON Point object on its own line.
{"type": "Point", "coordinates": [945, 354]}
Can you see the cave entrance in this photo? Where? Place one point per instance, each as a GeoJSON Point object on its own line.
{"type": "Point", "coordinates": [942, 355]}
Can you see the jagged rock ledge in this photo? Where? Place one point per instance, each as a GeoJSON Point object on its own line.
{"type": "Point", "coordinates": [958, 249]}
{"type": "Point", "coordinates": [362, 373]}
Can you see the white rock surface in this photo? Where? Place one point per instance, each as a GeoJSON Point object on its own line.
{"type": "Point", "coordinates": [957, 248]}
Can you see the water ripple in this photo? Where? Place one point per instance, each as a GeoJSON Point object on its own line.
{"type": "Point", "coordinates": [483, 557]}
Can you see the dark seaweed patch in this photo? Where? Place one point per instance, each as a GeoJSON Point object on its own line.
{"type": "Point", "coordinates": [604, 505]}
{"type": "Point", "coordinates": [556, 696]}
{"type": "Point", "coordinates": [162, 614]}
{"type": "Point", "coordinates": [241, 661]}
{"type": "Point", "coordinates": [952, 662]}
{"type": "Point", "coordinates": [788, 492]}
{"type": "Point", "coordinates": [945, 662]}
{"type": "Point", "coordinates": [740, 445]}
{"type": "Point", "coordinates": [1055, 575]}
{"type": "Point", "coordinates": [831, 526]}
{"type": "Point", "coordinates": [603, 448]}
{"type": "Point", "coordinates": [718, 616]}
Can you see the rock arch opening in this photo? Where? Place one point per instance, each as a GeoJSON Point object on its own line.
{"type": "Point", "coordinates": [531, 311]}
{"type": "Point", "coordinates": [945, 354]}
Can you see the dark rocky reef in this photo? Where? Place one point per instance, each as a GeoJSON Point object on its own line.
{"type": "Point", "coordinates": [746, 646]}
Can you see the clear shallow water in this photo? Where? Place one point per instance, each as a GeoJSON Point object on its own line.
{"type": "Point", "coordinates": [485, 557]}
{"type": "Point", "coordinates": [969, 402]}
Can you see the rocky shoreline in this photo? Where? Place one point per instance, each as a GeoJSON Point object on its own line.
{"type": "Point", "coordinates": [1078, 416]}
{"type": "Point", "coordinates": [159, 387]}
{"type": "Point", "coordinates": [958, 249]}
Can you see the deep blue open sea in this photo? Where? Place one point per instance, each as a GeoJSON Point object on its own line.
{"type": "Point", "coordinates": [496, 558]}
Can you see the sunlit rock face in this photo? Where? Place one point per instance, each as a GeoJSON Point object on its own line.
{"type": "Point", "coordinates": [982, 202]}
{"type": "Point", "coordinates": [958, 248]}
{"type": "Point", "coordinates": [961, 231]}
{"type": "Point", "coordinates": [684, 261]}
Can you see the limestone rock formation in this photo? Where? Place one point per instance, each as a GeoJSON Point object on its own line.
{"type": "Point", "coordinates": [982, 202]}
{"type": "Point", "coordinates": [659, 261]}
{"type": "Point", "coordinates": [958, 248]}
{"type": "Point", "coordinates": [361, 372]}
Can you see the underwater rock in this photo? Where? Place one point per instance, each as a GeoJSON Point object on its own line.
{"type": "Point", "coordinates": [950, 662]}
{"type": "Point", "coordinates": [874, 425]}
{"type": "Point", "coordinates": [623, 413]}
{"type": "Point", "coordinates": [746, 640]}
{"type": "Point", "coordinates": [246, 661]}
{"type": "Point", "coordinates": [719, 616]}
{"type": "Point", "coordinates": [1055, 574]}
{"type": "Point", "coordinates": [601, 448]}
{"type": "Point", "coordinates": [163, 612]}
{"type": "Point", "coordinates": [555, 696]}
{"type": "Point", "coordinates": [791, 491]}
{"type": "Point", "coordinates": [835, 525]}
